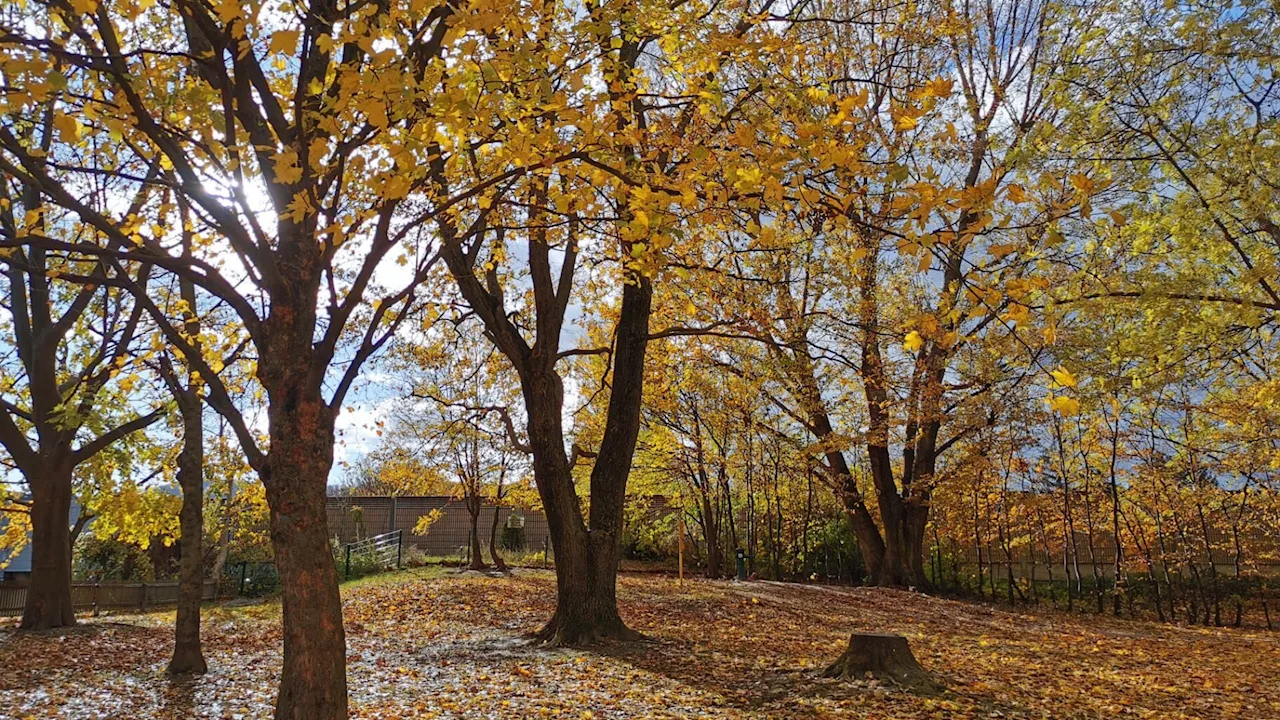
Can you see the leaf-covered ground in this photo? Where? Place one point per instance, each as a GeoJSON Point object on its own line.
{"type": "Point", "coordinates": [426, 644]}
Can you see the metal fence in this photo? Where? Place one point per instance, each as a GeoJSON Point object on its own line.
{"type": "Point", "coordinates": [378, 552]}
{"type": "Point", "coordinates": [105, 596]}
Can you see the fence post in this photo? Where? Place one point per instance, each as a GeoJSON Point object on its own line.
{"type": "Point", "coordinates": [142, 603]}
{"type": "Point", "coordinates": [399, 548]}
{"type": "Point", "coordinates": [96, 584]}
{"type": "Point", "coordinates": [391, 519]}
{"type": "Point", "coordinates": [545, 545]}
{"type": "Point", "coordinates": [347, 572]}
{"type": "Point", "coordinates": [244, 567]}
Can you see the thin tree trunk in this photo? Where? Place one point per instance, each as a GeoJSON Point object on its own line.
{"type": "Point", "coordinates": [1238, 556]}
{"type": "Point", "coordinates": [1213, 566]}
{"type": "Point", "coordinates": [1048, 553]}
{"type": "Point", "coordinates": [1266, 608]}
{"type": "Point", "coordinates": [476, 558]}
{"type": "Point", "coordinates": [977, 545]}
{"type": "Point", "coordinates": [1145, 548]}
{"type": "Point", "coordinates": [187, 655]}
{"type": "Point", "coordinates": [498, 562]}
{"type": "Point", "coordinates": [1164, 567]}
{"type": "Point", "coordinates": [224, 541]}
{"type": "Point", "coordinates": [1118, 556]}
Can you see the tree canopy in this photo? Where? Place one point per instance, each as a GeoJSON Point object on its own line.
{"type": "Point", "coordinates": [960, 293]}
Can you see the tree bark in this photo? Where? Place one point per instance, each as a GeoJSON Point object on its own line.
{"type": "Point", "coordinates": [187, 655]}
{"type": "Point", "coordinates": [476, 552]}
{"type": "Point", "coordinates": [498, 562]}
{"type": "Point", "coordinates": [48, 604]}
{"type": "Point", "coordinates": [313, 684]}
{"type": "Point", "coordinates": [587, 595]}
{"type": "Point", "coordinates": [588, 554]}
{"type": "Point", "coordinates": [885, 657]}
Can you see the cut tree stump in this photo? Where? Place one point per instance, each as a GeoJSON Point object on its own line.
{"type": "Point", "coordinates": [887, 658]}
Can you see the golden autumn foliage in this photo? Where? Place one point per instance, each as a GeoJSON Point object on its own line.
{"type": "Point", "coordinates": [977, 298]}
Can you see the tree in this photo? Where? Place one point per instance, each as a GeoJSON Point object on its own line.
{"type": "Point", "coordinates": [908, 244]}
{"type": "Point", "coordinates": [395, 469]}
{"type": "Point", "coordinates": [298, 143]}
{"type": "Point", "coordinates": [188, 658]}
{"type": "Point", "coordinates": [69, 375]}
{"type": "Point", "coordinates": [459, 417]}
{"type": "Point", "coordinates": [626, 207]}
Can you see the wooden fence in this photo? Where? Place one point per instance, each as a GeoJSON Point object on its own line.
{"type": "Point", "coordinates": [447, 536]}
{"type": "Point", "coordinates": [105, 596]}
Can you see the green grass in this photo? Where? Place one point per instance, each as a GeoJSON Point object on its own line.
{"type": "Point", "coordinates": [395, 577]}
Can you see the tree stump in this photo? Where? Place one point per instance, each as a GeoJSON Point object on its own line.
{"type": "Point", "coordinates": [887, 658]}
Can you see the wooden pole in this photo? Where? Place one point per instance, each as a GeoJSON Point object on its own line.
{"type": "Point", "coordinates": [680, 544]}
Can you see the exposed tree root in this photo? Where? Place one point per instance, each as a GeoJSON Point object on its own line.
{"type": "Point", "coordinates": [582, 634]}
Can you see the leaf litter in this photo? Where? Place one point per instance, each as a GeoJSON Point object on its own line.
{"type": "Point", "coordinates": [422, 645]}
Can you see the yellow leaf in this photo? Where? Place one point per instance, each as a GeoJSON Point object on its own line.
{"type": "Point", "coordinates": [1082, 182]}
{"type": "Point", "coordinates": [228, 10]}
{"type": "Point", "coordinates": [316, 151]}
{"type": "Point", "coordinates": [283, 42]}
{"type": "Point", "coordinates": [938, 87]}
{"type": "Point", "coordinates": [1064, 405]}
{"type": "Point", "coordinates": [1063, 377]}
{"type": "Point", "coordinates": [999, 250]}
{"type": "Point", "coordinates": [375, 111]}
{"type": "Point", "coordinates": [300, 207]}
{"type": "Point", "coordinates": [1017, 314]}
{"type": "Point", "coordinates": [68, 128]}
{"type": "Point", "coordinates": [913, 342]}
{"type": "Point", "coordinates": [286, 166]}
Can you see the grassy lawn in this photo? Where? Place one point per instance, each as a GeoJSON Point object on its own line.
{"type": "Point", "coordinates": [434, 643]}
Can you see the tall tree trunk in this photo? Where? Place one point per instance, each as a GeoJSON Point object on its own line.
{"type": "Point", "coordinates": [313, 684]}
{"type": "Point", "coordinates": [475, 550]}
{"type": "Point", "coordinates": [915, 532]}
{"type": "Point", "coordinates": [48, 603]}
{"type": "Point", "coordinates": [711, 528]}
{"type": "Point", "coordinates": [1117, 569]}
{"type": "Point", "coordinates": [498, 562]}
{"type": "Point", "coordinates": [187, 656]}
{"type": "Point", "coordinates": [586, 558]}
{"type": "Point", "coordinates": [587, 555]}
